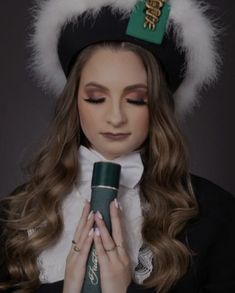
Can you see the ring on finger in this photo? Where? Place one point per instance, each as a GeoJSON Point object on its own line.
{"type": "Point", "coordinates": [120, 246]}
{"type": "Point", "coordinates": [111, 249]}
{"type": "Point", "coordinates": [76, 248]}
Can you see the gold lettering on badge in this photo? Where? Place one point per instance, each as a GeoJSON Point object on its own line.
{"type": "Point", "coordinates": [152, 13]}
{"type": "Point", "coordinates": [93, 269]}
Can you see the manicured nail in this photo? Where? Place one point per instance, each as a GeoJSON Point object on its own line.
{"type": "Point", "coordinates": [91, 232]}
{"type": "Point", "coordinates": [97, 231]}
{"type": "Point", "coordinates": [99, 215]}
{"type": "Point", "coordinates": [120, 207]}
{"type": "Point", "coordinates": [91, 213]}
{"type": "Point", "coordinates": [116, 203]}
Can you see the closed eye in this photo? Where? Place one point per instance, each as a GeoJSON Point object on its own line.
{"type": "Point", "coordinates": [94, 101]}
{"type": "Point", "coordinates": [101, 100]}
{"type": "Point", "coordinates": [137, 102]}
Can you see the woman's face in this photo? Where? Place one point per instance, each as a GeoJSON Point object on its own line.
{"type": "Point", "coordinates": [112, 98]}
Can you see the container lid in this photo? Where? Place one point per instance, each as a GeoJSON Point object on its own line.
{"type": "Point", "coordinates": [106, 174]}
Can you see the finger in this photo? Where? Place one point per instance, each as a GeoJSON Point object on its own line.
{"type": "Point", "coordinates": [116, 222]}
{"type": "Point", "coordinates": [117, 228]}
{"type": "Point", "coordinates": [107, 240]}
{"type": "Point", "coordinates": [82, 221]}
{"type": "Point", "coordinates": [85, 248]}
{"type": "Point", "coordinates": [101, 254]}
{"type": "Point", "coordinates": [82, 230]}
{"type": "Point", "coordinates": [76, 262]}
{"type": "Point", "coordinates": [84, 233]}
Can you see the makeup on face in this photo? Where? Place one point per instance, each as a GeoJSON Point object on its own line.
{"type": "Point", "coordinates": [135, 94]}
{"type": "Point", "coordinates": [113, 102]}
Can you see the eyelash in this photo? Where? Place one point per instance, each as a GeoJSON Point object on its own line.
{"type": "Point", "coordinates": [98, 101]}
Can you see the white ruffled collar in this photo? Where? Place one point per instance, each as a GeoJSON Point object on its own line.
{"type": "Point", "coordinates": [131, 166]}
{"type": "Point", "coordinates": [129, 198]}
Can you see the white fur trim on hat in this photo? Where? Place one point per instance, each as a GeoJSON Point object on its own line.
{"type": "Point", "coordinates": [194, 32]}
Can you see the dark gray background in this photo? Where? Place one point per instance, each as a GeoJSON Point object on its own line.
{"type": "Point", "coordinates": [25, 111]}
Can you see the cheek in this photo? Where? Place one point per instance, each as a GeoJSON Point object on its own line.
{"type": "Point", "coordinates": [141, 121]}
{"type": "Point", "coordinates": [84, 121]}
{"type": "Point", "coordinates": [88, 117]}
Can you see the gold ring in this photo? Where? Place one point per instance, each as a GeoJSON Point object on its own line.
{"type": "Point", "coordinates": [111, 249]}
{"type": "Point", "coordinates": [119, 245]}
{"type": "Point", "coordinates": [76, 248]}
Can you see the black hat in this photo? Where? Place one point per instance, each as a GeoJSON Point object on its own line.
{"type": "Point", "coordinates": [179, 33]}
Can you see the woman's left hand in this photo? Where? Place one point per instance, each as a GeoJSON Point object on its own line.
{"type": "Point", "coordinates": [115, 272]}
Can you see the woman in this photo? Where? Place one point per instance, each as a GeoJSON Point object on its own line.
{"type": "Point", "coordinates": [175, 230]}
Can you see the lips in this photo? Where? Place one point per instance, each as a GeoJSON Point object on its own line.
{"type": "Point", "coordinates": [110, 133]}
{"type": "Point", "coordinates": [115, 136]}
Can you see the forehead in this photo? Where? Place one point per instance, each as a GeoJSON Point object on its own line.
{"type": "Point", "coordinates": [108, 65]}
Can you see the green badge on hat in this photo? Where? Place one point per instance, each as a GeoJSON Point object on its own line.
{"type": "Point", "coordinates": [148, 20]}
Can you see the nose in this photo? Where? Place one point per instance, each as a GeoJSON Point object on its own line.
{"type": "Point", "coordinates": [116, 115]}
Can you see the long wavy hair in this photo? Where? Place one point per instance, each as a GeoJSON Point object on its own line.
{"type": "Point", "coordinates": [166, 191]}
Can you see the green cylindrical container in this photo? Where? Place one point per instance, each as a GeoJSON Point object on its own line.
{"type": "Point", "coordinates": [105, 184]}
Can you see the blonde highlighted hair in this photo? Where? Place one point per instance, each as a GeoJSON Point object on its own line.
{"type": "Point", "coordinates": [167, 196]}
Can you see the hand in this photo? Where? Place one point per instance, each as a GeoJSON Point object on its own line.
{"type": "Point", "coordinates": [76, 261]}
{"type": "Point", "coordinates": [115, 272]}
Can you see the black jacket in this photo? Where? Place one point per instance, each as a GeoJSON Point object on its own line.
{"type": "Point", "coordinates": [212, 238]}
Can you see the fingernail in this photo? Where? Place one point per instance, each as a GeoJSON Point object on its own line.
{"type": "Point", "coordinates": [91, 232]}
{"type": "Point", "coordinates": [91, 213]}
{"type": "Point", "coordinates": [87, 201]}
{"type": "Point", "coordinates": [120, 207]}
{"type": "Point", "coordinates": [116, 203]}
{"type": "Point", "coordinates": [97, 231]}
{"type": "Point", "coordinates": [99, 215]}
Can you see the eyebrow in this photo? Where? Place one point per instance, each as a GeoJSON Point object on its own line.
{"type": "Point", "coordinates": [126, 89]}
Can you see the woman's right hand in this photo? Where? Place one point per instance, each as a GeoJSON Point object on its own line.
{"type": "Point", "coordinates": [76, 261]}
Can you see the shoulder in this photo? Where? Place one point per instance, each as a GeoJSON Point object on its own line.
{"type": "Point", "coordinates": [213, 200]}
{"type": "Point", "coordinates": [216, 217]}
{"type": "Point", "coordinates": [211, 237]}
{"type": "Point", "coordinates": [202, 185]}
